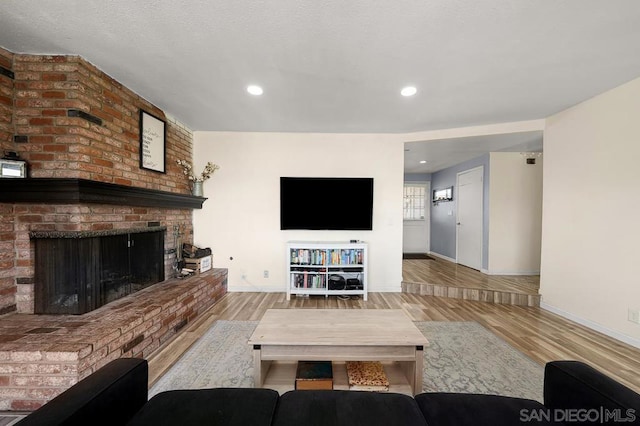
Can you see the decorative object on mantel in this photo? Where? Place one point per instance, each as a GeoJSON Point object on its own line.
{"type": "Point", "coordinates": [11, 166]}
{"type": "Point", "coordinates": [152, 142]}
{"type": "Point", "coordinates": [209, 169]}
{"type": "Point", "coordinates": [197, 189]}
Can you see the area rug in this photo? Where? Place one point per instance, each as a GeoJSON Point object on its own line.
{"type": "Point", "coordinates": [466, 357]}
{"type": "Point", "coordinates": [461, 357]}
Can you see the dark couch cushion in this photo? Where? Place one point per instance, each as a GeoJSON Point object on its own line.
{"type": "Point", "coordinates": [575, 385]}
{"type": "Point", "coordinates": [457, 409]}
{"type": "Point", "coordinates": [346, 408]}
{"type": "Point", "coordinates": [222, 406]}
{"type": "Point", "coordinates": [121, 383]}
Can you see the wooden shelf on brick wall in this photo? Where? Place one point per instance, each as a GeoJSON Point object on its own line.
{"type": "Point", "coordinates": [74, 191]}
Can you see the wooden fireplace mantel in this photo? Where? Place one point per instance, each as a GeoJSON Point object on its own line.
{"type": "Point", "coordinates": [74, 191]}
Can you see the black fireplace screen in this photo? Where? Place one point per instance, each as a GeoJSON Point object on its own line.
{"type": "Point", "coordinates": [78, 275]}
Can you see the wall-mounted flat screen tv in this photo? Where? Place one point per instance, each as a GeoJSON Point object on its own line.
{"type": "Point", "coordinates": [445, 194]}
{"type": "Point", "coordinates": [323, 203]}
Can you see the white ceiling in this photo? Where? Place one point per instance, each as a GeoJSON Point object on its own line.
{"type": "Point", "coordinates": [442, 153]}
{"type": "Point", "coordinates": [337, 66]}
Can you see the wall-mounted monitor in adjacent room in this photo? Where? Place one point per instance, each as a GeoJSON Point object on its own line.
{"type": "Point", "coordinates": [445, 194]}
{"type": "Point", "coordinates": [321, 203]}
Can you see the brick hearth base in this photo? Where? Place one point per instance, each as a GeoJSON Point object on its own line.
{"type": "Point", "coordinates": [42, 355]}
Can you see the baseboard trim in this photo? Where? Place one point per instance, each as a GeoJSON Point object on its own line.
{"type": "Point", "coordinates": [488, 272]}
{"type": "Point", "coordinates": [431, 253]}
{"type": "Point", "coordinates": [256, 289]}
{"type": "Point", "coordinates": [592, 325]}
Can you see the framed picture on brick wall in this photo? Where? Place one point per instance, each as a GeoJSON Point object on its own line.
{"type": "Point", "coordinates": [152, 142]}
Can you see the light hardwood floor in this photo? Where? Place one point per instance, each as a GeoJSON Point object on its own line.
{"type": "Point", "coordinates": [442, 272]}
{"type": "Point", "coordinates": [439, 277]}
{"type": "Point", "coordinates": [541, 335]}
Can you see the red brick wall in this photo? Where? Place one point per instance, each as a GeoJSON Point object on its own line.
{"type": "Point", "coordinates": [34, 106]}
{"type": "Point", "coordinates": [7, 234]}
{"type": "Point", "coordinates": [46, 87]}
{"type": "Point", "coordinates": [6, 101]}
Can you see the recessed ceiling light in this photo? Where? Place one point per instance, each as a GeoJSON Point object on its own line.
{"type": "Point", "coordinates": [423, 161]}
{"type": "Point", "coordinates": [255, 90]}
{"type": "Point", "coordinates": [408, 91]}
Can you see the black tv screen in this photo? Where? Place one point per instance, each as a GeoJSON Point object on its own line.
{"type": "Point", "coordinates": [326, 203]}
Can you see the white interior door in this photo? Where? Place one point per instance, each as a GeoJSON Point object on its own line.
{"type": "Point", "coordinates": [415, 229]}
{"type": "Point", "coordinates": [469, 218]}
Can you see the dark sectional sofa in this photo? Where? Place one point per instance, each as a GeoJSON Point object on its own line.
{"type": "Point", "coordinates": [574, 393]}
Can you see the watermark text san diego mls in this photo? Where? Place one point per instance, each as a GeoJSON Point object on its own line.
{"type": "Point", "coordinates": [568, 415]}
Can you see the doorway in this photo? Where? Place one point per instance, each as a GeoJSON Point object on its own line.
{"type": "Point", "coordinates": [416, 219]}
{"type": "Point", "coordinates": [469, 220]}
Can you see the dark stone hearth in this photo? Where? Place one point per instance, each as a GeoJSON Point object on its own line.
{"type": "Point", "coordinates": [91, 234]}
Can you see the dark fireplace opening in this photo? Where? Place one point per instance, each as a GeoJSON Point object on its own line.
{"type": "Point", "coordinates": [77, 272]}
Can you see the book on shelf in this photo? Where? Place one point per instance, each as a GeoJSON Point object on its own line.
{"type": "Point", "coordinates": [312, 375]}
{"type": "Point", "coordinates": [367, 375]}
{"type": "Point", "coordinates": [308, 280]}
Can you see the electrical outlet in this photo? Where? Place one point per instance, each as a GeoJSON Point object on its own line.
{"type": "Point", "coordinates": [266, 273]}
{"type": "Point", "coordinates": [633, 316]}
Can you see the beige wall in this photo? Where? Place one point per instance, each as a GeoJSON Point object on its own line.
{"type": "Point", "coordinates": [591, 204]}
{"type": "Point", "coordinates": [515, 214]}
{"type": "Point", "coordinates": [241, 218]}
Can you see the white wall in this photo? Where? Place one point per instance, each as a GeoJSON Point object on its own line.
{"type": "Point", "coordinates": [515, 214]}
{"type": "Point", "coordinates": [591, 205]}
{"type": "Point", "coordinates": [241, 218]}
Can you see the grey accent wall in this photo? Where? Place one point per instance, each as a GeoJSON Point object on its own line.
{"type": "Point", "coordinates": [443, 225]}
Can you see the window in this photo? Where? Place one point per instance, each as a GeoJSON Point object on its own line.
{"type": "Point", "coordinates": [414, 201]}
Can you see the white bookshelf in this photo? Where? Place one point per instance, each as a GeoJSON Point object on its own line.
{"type": "Point", "coordinates": [311, 266]}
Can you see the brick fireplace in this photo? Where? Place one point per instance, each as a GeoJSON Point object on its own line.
{"type": "Point", "coordinates": [78, 129]}
{"type": "Point", "coordinates": [40, 100]}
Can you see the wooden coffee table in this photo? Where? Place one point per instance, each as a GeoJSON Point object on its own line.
{"type": "Point", "coordinates": [289, 335]}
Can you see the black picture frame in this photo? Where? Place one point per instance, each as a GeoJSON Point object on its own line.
{"type": "Point", "coordinates": [153, 145]}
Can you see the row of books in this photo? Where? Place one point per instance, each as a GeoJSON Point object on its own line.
{"type": "Point", "coordinates": [327, 257]}
{"type": "Point", "coordinates": [362, 375]}
{"type": "Point", "coordinates": [307, 280]}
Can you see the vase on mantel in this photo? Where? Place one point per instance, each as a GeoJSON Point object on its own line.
{"type": "Point", "coordinates": [197, 189]}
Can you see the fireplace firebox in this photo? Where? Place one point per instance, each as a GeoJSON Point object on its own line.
{"type": "Point", "coordinates": [77, 272]}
